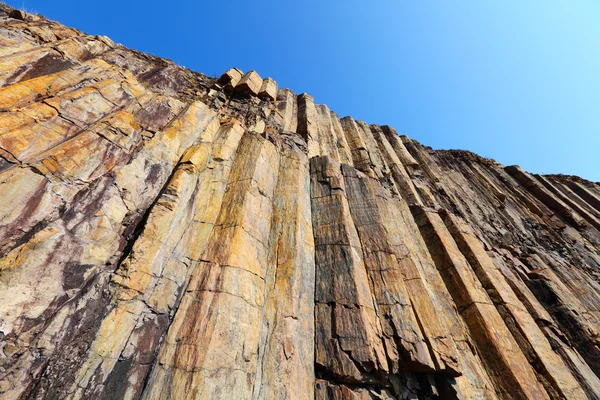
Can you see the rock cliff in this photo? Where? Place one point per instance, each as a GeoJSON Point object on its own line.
{"type": "Point", "coordinates": [167, 235]}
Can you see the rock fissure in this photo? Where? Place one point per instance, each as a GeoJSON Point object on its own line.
{"type": "Point", "coordinates": [168, 235]}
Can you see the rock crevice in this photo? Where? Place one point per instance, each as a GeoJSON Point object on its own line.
{"type": "Point", "coordinates": [166, 235]}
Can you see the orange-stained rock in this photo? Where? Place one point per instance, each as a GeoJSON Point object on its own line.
{"type": "Point", "coordinates": [167, 235]}
{"type": "Point", "coordinates": [268, 89]}
{"type": "Point", "coordinates": [230, 78]}
{"type": "Point", "coordinates": [250, 84]}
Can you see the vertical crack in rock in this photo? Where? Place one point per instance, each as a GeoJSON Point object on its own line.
{"type": "Point", "coordinates": [220, 311]}
{"type": "Point", "coordinates": [167, 235]}
{"type": "Point", "coordinates": [288, 356]}
{"type": "Point", "coordinates": [508, 366]}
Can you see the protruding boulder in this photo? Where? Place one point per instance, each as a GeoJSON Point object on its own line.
{"type": "Point", "coordinates": [307, 123]}
{"type": "Point", "coordinates": [250, 84]}
{"type": "Point", "coordinates": [268, 89]}
{"type": "Point", "coordinates": [230, 78]}
{"type": "Point", "coordinates": [23, 15]}
{"type": "Point", "coordinates": [287, 108]}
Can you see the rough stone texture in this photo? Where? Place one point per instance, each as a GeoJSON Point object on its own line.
{"type": "Point", "coordinates": [229, 79]}
{"type": "Point", "coordinates": [268, 89]}
{"type": "Point", "coordinates": [250, 84]}
{"type": "Point", "coordinates": [165, 235]}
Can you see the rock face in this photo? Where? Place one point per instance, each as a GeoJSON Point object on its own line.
{"type": "Point", "coordinates": [165, 235]}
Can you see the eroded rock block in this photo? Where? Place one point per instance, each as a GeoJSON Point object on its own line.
{"type": "Point", "coordinates": [164, 235]}
{"type": "Point", "coordinates": [249, 85]}
{"type": "Point", "coordinates": [230, 79]}
{"type": "Point", "coordinates": [268, 89]}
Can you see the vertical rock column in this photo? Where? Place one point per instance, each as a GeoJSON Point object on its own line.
{"type": "Point", "coordinates": [249, 85]}
{"type": "Point", "coordinates": [342, 142]}
{"type": "Point", "coordinates": [404, 342]}
{"type": "Point", "coordinates": [544, 195]}
{"type": "Point", "coordinates": [348, 334]}
{"type": "Point", "coordinates": [308, 124]}
{"type": "Point", "coordinates": [328, 141]}
{"type": "Point", "coordinates": [76, 253]}
{"type": "Point", "coordinates": [287, 108]}
{"type": "Point", "coordinates": [586, 194]}
{"type": "Point", "coordinates": [289, 335]}
{"type": "Point", "coordinates": [559, 381]}
{"type": "Point", "coordinates": [148, 284]}
{"type": "Point", "coordinates": [212, 348]}
{"type": "Point", "coordinates": [569, 201]}
{"type": "Point", "coordinates": [449, 343]}
{"type": "Point", "coordinates": [405, 186]}
{"type": "Point", "coordinates": [366, 159]}
{"type": "Point", "coordinates": [358, 148]}
{"type": "Point", "coordinates": [509, 368]}
{"type": "Point", "coordinates": [377, 160]}
{"type": "Point", "coordinates": [396, 142]}
{"type": "Point", "coordinates": [576, 319]}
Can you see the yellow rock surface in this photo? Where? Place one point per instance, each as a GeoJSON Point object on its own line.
{"type": "Point", "coordinates": [167, 235]}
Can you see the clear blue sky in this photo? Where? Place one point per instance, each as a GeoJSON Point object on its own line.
{"type": "Point", "coordinates": [518, 81]}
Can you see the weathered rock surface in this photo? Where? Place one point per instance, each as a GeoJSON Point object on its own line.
{"type": "Point", "coordinates": [165, 235]}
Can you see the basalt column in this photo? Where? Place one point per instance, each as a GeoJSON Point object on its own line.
{"type": "Point", "coordinates": [168, 235]}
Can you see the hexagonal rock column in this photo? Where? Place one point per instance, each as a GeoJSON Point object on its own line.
{"type": "Point", "coordinates": [230, 78]}
{"type": "Point", "coordinates": [268, 89]}
{"type": "Point", "coordinates": [250, 84]}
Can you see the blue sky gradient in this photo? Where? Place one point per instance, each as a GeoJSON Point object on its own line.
{"type": "Point", "coordinates": [515, 81]}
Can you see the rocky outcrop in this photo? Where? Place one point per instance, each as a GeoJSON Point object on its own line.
{"type": "Point", "coordinates": [166, 235]}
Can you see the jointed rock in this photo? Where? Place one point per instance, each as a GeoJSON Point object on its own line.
{"type": "Point", "coordinates": [166, 235]}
